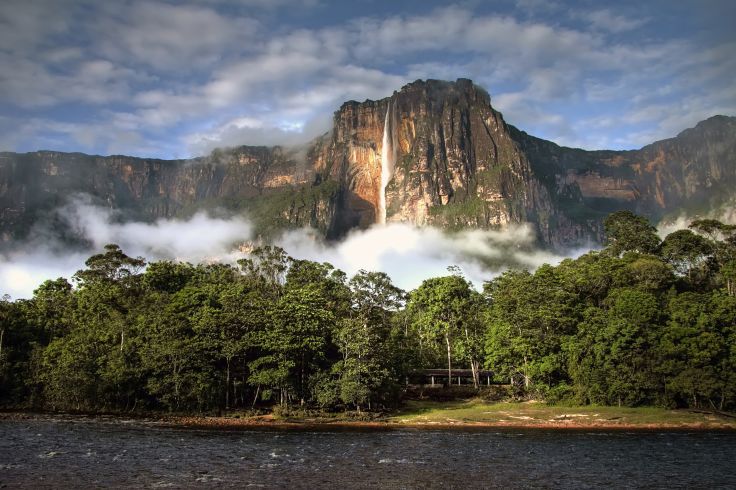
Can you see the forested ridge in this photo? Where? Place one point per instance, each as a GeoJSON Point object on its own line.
{"type": "Point", "coordinates": [642, 322]}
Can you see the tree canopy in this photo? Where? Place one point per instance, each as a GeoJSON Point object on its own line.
{"type": "Point", "coordinates": [641, 322]}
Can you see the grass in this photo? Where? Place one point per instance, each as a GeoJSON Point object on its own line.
{"type": "Point", "coordinates": [541, 414]}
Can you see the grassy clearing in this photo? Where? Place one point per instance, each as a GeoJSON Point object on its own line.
{"type": "Point", "coordinates": [541, 414]}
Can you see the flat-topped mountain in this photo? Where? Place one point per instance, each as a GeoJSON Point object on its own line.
{"type": "Point", "coordinates": [434, 152]}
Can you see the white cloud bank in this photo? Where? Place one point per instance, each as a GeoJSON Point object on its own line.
{"type": "Point", "coordinates": [407, 253]}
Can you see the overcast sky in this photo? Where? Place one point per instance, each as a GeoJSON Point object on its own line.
{"type": "Point", "coordinates": [175, 79]}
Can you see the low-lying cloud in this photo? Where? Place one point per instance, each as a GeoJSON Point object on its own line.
{"type": "Point", "coordinates": [410, 254]}
{"type": "Point", "coordinates": [407, 253]}
{"type": "Point", "coordinates": [725, 214]}
{"type": "Point", "coordinates": [196, 239]}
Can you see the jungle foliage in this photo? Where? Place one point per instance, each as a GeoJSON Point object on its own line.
{"type": "Point", "coordinates": [641, 322]}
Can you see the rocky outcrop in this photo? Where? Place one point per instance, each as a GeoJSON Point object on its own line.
{"type": "Point", "coordinates": [454, 163]}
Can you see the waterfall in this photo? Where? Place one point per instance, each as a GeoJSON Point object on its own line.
{"type": "Point", "coordinates": [387, 164]}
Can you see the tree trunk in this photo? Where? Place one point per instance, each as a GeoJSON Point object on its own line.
{"type": "Point", "coordinates": [2, 334]}
{"type": "Point", "coordinates": [122, 339]}
{"type": "Point", "coordinates": [255, 398]}
{"type": "Point", "coordinates": [227, 385]}
{"type": "Point", "coordinates": [449, 361]}
{"type": "Point", "coordinates": [475, 367]}
{"type": "Point", "coordinates": [301, 382]}
{"type": "Point", "coordinates": [176, 384]}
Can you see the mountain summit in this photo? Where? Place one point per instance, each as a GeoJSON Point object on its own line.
{"type": "Point", "coordinates": [434, 152]}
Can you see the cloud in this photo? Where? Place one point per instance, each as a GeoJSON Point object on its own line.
{"type": "Point", "coordinates": [725, 214]}
{"type": "Point", "coordinates": [255, 132]}
{"type": "Point", "coordinates": [407, 253]}
{"type": "Point", "coordinates": [196, 239]}
{"type": "Point", "coordinates": [410, 254]}
{"type": "Point", "coordinates": [606, 20]}
{"type": "Point", "coordinates": [174, 76]}
{"type": "Point", "coordinates": [171, 37]}
{"type": "Point", "coordinates": [24, 26]}
{"type": "Point", "coordinates": [22, 273]}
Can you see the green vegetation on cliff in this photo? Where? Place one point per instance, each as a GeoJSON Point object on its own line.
{"type": "Point", "coordinates": [292, 207]}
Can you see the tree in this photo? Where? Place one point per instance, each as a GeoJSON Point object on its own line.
{"type": "Point", "coordinates": [109, 284]}
{"type": "Point", "coordinates": [729, 273]}
{"type": "Point", "coordinates": [604, 328]}
{"type": "Point", "coordinates": [177, 355]}
{"type": "Point", "coordinates": [530, 317]}
{"type": "Point", "coordinates": [690, 349]}
{"type": "Point", "coordinates": [267, 266]}
{"type": "Point", "coordinates": [112, 265]}
{"type": "Point", "coordinates": [19, 341]}
{"type": "Point", "coordinates": [364, 338]}
{"type": "Point", "coordinates": [295, 344]}
{"type": "Point", "coordinates": [627, 232]}
{"type": "Point", "coordinates": [439, 309]}
{"type": "Point", "coordinates": [231, 325]}
{"type": "Point", "coordinates": [685, 250]}
{"type": "Point", "coordinates": [626, 345]}
{"type": "Point", "coordinates": [470, 344]}
{"type": "Point", "coordinates": [644, 272]}
{"type": "Point", "coordinates": [168, 277]}
{"type": "Point", "coordinates": [591, 276]}
{"type": "Point", "coordinates": [51, 308]}
{"type": "Point", "coordinates": [712, 228]}
{"type": "Point", "coordinates": [586, 357]}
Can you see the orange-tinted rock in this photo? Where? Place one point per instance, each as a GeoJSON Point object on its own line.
{"type": "Point", "coordinates": [457, 164]}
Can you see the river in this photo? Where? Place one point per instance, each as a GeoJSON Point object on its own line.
{"type": "Point", "coordinates": [83, 453]}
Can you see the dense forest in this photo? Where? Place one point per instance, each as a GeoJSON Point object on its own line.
{"type": "Point", "coordinates": [643, 321]}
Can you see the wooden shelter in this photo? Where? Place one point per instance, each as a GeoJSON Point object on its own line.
{"type": "Point", "coordinates": [438, 377]}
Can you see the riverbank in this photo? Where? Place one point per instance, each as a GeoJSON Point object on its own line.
{"type": "Point", "coordinates": [541, 415]}
{"type": "Point", "coordinates": [471, 414]}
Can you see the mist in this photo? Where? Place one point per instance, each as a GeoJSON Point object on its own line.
{"type": "Point", "coordinates": [408, 254]}
{"type": "Point", "coordinates": [725, 214]}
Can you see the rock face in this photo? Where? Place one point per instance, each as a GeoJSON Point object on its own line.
{"type": "Point", "coordinates": [33, 185]}
{"type": "Point", "coordinates": [448, 160]}
{"type": "Point", "coordinates": [454, 163]}
{"type": "Point", "coordinates": [692, 172]}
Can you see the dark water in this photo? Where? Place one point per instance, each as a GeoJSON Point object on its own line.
{"type": "Point", "coordinates": [83, 454]}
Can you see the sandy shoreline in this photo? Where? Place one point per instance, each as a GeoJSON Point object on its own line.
{"type": "Point", "coordinates": [269, 423]}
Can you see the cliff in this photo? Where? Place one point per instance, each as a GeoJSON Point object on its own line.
{"type": "Point", "coordinates": [433, 152]}
{"type": "Point", "coordinates": [452, 163]}
{"type": "Point", "coordinates": [692, 172]}
{"type": "Point", "coordinates": [33, 185]}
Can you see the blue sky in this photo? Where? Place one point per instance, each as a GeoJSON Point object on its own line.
{"type": "Point", "coordinates": [176, 79]}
